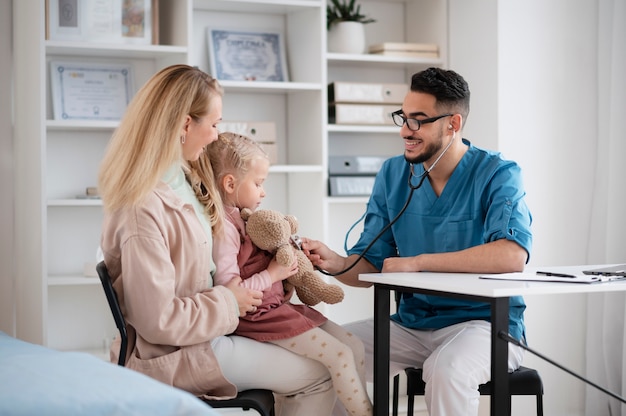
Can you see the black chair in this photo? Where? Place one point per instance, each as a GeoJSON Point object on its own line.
{"type": "Point", "coordinates": [522, 382]}
{"type": "Point", "coordinates": [258, 399]}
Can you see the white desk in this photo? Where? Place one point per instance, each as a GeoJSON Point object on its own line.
{"type": "Point", "coordinates": [466, 286]}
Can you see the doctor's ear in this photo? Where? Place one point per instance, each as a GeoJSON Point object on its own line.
{"type": "Point", "coordinates": [456, 121]}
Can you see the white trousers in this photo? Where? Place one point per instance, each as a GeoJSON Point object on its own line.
{"type": "Point", "coordinates": [455, 359]}
{"type": "Point", "coordinates": [302, 386]}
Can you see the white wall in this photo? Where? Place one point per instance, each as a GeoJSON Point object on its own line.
{"type": "Point", "coordinates": [531, 66]}
{"type": "Point", "coordinates": [7, 314]}
{"type": "Point", "coordinates": [548, 113]}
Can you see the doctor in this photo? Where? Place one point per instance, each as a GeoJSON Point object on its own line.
{"type": "Point", "coordinates": [462, 210]}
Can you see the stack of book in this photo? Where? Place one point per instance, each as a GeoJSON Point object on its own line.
{"type": "Point", "coordinates": [412, 50]}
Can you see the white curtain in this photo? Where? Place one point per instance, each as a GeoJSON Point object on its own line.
{"type": "Point", "coordinates": [606, 324]}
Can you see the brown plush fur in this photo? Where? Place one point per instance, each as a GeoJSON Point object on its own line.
{"type": "Point", "coordinates": [271, 231]}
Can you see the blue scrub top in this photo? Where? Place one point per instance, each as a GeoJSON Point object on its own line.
{"type": "Point", "coordinates": [483, 201]}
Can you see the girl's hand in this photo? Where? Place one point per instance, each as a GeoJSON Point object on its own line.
{"type": "Point", "coordinates": [247, 299]}
{"type": "Point", "coordinates": [279, 272]}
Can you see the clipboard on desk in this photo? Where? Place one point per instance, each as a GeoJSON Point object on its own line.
{"type": "Point", "coordinates": [548, 276]}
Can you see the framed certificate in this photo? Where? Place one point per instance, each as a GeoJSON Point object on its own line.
{"type": "Point", "coordinates": [107, 21]}
{"type": "Point", "coordinates": [90, 91]}
{"type": "Point", "coordinates": [247, 56]}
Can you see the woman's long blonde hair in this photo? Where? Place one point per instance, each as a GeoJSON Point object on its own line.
{"type": "Point", "coordinates": [147, 141]}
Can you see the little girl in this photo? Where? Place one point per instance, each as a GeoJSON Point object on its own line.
{"type": "Point", "coordinates": [239, 166]}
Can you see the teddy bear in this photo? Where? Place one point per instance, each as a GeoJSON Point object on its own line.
{"type": "Point", "coordinates": [275, 232]}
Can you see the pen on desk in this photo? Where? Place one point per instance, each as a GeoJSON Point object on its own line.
{"type": "Point", "coordinates": [557, 274]}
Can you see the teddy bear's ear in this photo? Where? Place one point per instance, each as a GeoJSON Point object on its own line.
{"type": "Point", "coordinates": [293, 223]}
{"type": "Point", "coordinates": [245, 213]}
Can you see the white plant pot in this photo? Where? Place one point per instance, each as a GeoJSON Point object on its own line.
{"type": "Point", "coordinates": [346, 37]}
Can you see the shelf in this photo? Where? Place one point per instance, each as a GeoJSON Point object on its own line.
{"type": "Point", "coordinates": [75, 202]}
{"type": "Point", "coordinates": [345, 128]}
{"type": "Point", "coordinates": [81, 49]}
{"type": "Point", "coordinates": [81, 125]}
{"type": "Point", "coordinates": [72, 280]}
{"type": "Point", "coordinates": [269, 87]}
{"type": "Point", "coordinates": [296, 168]}
{"type": "Point", "coordinates": [256, 6]}
{"type": "Point", "coordinates": [380, 61]}
{"type": "Point", "coordinates": [347, 199]}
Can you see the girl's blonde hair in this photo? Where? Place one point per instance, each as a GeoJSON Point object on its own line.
{"type": "Point", "coordinates": [231, 153]}
{"type": "Point", "coordinates": [147, 141]}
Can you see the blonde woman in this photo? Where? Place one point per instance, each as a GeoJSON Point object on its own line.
{"type": "Point", "coordinates": [239, 166]}
{"type": "Point", "coordinates": [157, 244]}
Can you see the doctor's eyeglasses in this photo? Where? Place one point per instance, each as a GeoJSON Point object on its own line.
{"type": "Point", "coordinates": [412, 123]}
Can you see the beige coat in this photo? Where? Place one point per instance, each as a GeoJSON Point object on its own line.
{"type": "Point", "coordinates": [158, 256]}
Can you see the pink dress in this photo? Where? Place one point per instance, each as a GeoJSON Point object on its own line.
{"type": "Point", "coordinates": [235, 255]}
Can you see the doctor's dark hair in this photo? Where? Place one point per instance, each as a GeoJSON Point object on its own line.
{"type": "Point", "coordinates": [449, 89]}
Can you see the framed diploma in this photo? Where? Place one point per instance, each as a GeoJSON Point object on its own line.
{"type": "Point", "coordinates": [240, 55]}
{"type": "Point", "coordinates": [90, 91]}
{"type": "Point", "coordinates": [106, 21]}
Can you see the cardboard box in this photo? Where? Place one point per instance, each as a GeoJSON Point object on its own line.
{"type": "Point", "coordinates": [263, 132]}
{"type": "Point", "coordinates": [352, 92]}
{"type": "Point", "coordinates": [368, 114]}
{"type": "Point", "coordinates": [272, 151]}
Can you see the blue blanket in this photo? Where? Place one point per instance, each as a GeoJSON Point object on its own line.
{"type": "Point", "coordinates": [35, 380]}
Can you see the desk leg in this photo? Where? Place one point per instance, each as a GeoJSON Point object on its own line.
{"type": "Point", "coordinates": [381, 350]}
{"type": "Point", "coordinates": [500, 397]}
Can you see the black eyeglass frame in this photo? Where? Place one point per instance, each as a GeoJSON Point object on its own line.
{"type": "Point", "coordinates": [405, 120]}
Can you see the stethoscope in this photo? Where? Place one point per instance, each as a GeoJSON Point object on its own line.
{"type": "Point", "coordinates": [421, 178]}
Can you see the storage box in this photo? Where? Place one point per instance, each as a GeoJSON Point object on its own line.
{"type": "Point", "coordinates": [351, 92]}
{"type": "Point", "coordinates": [370, 114]}
{"type": "Point", "coordinates": [354, 165]}
{"type": "Point", "coordinates": [351, 185]}
{"type": "Point", "coordinates": [417, 50]}
{"type": "Point", "coordinates": [263, 132]}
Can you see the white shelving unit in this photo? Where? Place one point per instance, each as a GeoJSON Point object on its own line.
{"type": "Point", "coordinates": [57, 233]}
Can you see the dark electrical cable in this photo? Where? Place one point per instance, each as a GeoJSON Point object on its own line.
{"type": "Point", "coordinates": [503, 335]}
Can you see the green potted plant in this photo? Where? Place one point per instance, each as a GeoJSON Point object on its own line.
{"type": "Point", "coordinates": [345, 11]}
{"type": "Point", "coordinates": [344, 22]}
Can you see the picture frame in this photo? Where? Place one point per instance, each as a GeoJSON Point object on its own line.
{"type": "Point", "coordinates": [90, 91]}
{"type": "Point", "coordinates": [103, 21]}
{"type": "Point", "coordinates": [245, 55]}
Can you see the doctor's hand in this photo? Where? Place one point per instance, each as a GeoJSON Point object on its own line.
{"type": "Point", "coordinates": [321, 256]}
{"type": "Point", "coordinates": [247, 299]}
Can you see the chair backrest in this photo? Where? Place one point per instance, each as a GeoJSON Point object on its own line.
{"type": "Point", "coordinates": [260, 400]}
{"type": "Point", "coordinates": [114, 305]}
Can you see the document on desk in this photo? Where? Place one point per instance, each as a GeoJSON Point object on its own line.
{"type": "Point", "coordinates": [547, 276]}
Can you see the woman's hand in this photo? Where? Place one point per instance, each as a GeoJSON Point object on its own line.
{"type": "Point", "coordinates": [247, 299]}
